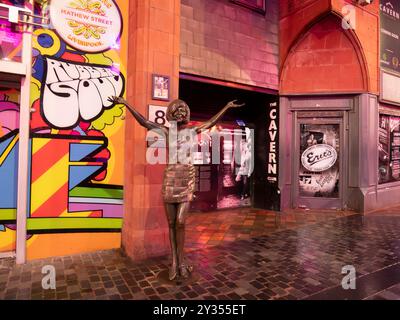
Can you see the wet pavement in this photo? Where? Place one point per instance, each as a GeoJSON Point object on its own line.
{"type": "Point", "coordinates": [216, 228]}
{"type": "Point", "coordinates": [253, 255]}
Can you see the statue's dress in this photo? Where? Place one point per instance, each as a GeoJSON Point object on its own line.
{"type": "Point", "coordinates": [179, 183]}
{"type": "Point", "coordinates": [179, 178]}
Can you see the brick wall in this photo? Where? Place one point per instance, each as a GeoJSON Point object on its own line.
{"type": "Point", "coordinates": [296, 17]}
{"type": "Point", "coordinates": [225, 41]}
{"type": "Point", "coordinates": [325, 60]}
{"type": "Point", "coordinates": [289, 6]}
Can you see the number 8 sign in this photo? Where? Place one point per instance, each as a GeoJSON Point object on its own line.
{"type": "Point", "coordinates": [157, 114]}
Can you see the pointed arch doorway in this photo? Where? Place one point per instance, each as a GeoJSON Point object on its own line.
{"type": "Point", "coordinates": [323, 80]}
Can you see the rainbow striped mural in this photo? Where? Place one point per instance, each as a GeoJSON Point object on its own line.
{"type": "Point", "coordinates": [75, 194]}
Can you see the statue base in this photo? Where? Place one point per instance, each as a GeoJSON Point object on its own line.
{"type": "Point", "coordinates": [163, 277]}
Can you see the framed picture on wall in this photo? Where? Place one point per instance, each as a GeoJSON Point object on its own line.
{"type": "Point", "coordinates": [161, 87]}
{"type": "Point", "coordinates": [255, 5]}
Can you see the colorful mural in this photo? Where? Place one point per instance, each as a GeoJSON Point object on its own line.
{"type": "Point", "coordinates": [9, 124]}
{"type": "Point", "coordinates": [76, 147]}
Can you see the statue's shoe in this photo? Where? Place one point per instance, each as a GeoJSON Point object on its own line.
{"type": "Point", "coordinates": [185, 271]}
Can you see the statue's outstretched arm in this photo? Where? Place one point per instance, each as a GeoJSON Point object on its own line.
{"type": "Point", "coordinates": [139, 118]}
{"type": "Point", "coordinates": [210, 123]}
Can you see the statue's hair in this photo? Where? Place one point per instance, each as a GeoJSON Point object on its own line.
{"type": "Point", "coordinates": [175, 105]}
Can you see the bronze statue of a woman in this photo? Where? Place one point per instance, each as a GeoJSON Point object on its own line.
{"type": "Point", "coordinates": [179, 178]}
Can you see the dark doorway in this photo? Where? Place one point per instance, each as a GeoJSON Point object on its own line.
{"type": "Point", "coordinates": [205, 100]}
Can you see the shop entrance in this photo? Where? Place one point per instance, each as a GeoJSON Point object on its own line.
{"type": "Point", "coordinates": [319, 171]}
{"type": "Point", "coordinates": [228, 185]}
{"type": "Point", "coordinates": [9, 126]}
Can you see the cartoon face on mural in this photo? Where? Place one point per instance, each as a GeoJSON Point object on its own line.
{"type": "Point", "coordinates": [9, 111]}
{"type": "Point", "coordinates": [76, 148]}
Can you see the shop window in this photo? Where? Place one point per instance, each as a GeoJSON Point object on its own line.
{"type": "Point", "coordinates": [13, 24]}
{"type": "Point", "coordinates": [319, 160]}
{"type": "Point", "coordinates": [389, 148]}
{"type": "Point", "coordinates": [10, 32]}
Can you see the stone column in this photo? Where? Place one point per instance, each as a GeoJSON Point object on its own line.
{"type": "Point", "coordinates": [154, 27]}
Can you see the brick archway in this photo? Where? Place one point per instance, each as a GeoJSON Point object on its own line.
{"type": "Point", "coordinates": [325, 58]}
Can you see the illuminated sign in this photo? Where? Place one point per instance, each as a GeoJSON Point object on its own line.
{"type": "Point", "coordinates": [272, 165]}
{"type": "Point", "coordinates": [390, 35]}
{"type": "Point", "coordinates": [87, 25]}
{"type": "Point", "coordinates": [389, 9]}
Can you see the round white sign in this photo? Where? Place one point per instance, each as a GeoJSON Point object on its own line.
{"type": "Point", "coordinates": [319, 157]}
{"type": "Point", "coordinates": [87, 25]}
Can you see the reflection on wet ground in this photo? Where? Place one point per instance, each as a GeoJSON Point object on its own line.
{"type": "Point", "coordinates": [256, 255]}
{"type": "Point", "coordinates": [215, 228]}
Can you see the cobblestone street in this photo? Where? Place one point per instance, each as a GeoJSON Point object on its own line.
{"type": "Point", "coordinates": [300, 258]}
